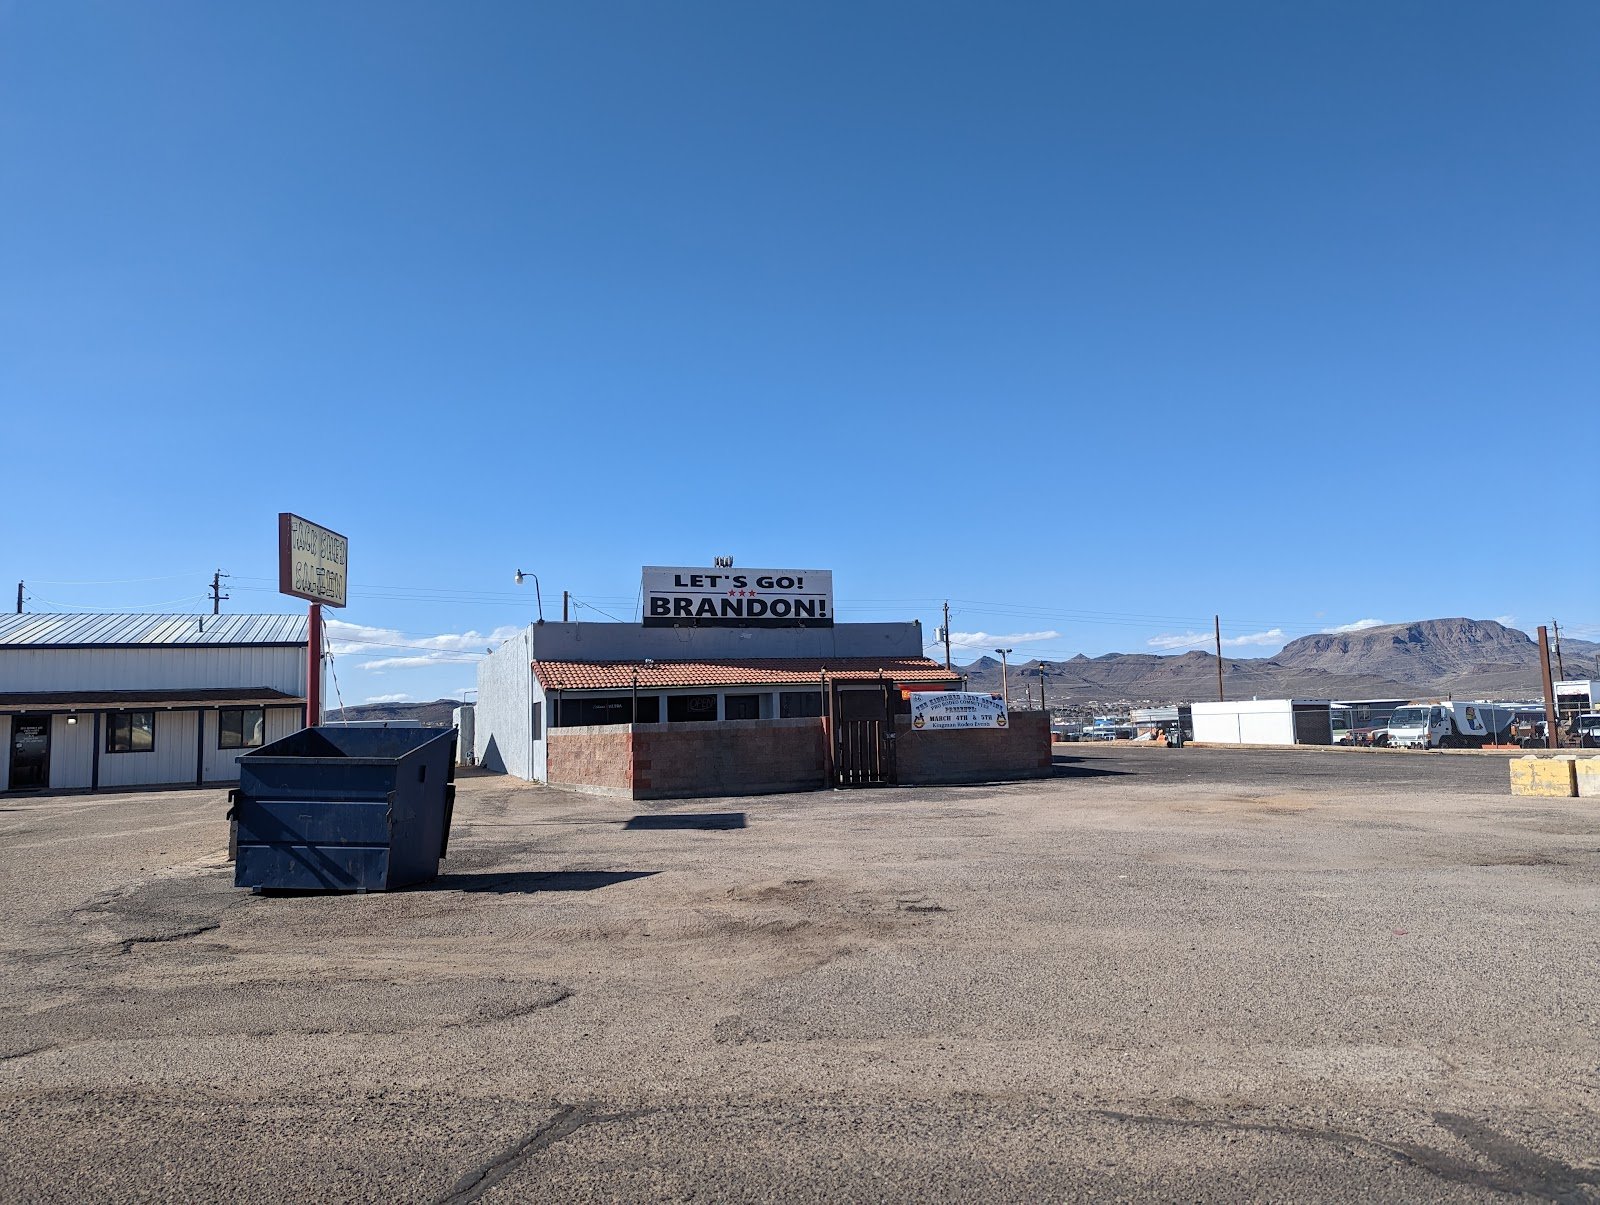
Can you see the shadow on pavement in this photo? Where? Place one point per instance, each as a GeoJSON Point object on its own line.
{"type": "Point", "coordinates": [692, 820]}
{"type": "Point", "coordinates": [531, 881]}
{"type": "Point", "coordinates": [1062, 766]}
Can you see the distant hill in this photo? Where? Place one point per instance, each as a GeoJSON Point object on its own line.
{"type": "Point", "coordinates": [1463, 657]}
{"type": "Point", "coordinates": [437, 714]}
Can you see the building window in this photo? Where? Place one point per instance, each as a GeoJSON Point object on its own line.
{"type": "Point", "coordinates": [241, 728]}
{"type": "Point", "coordinates": [578, 713]}
{"type": "Point", "coordinates": [130, 732]}
{"type": "Point", "coordinates": [536, 724]}
{"type": "Point", "coordinates": [799, 704]}
{"type": "Point", "coordinates": [741, 707]}
{"type": "Point", "coordinates": [685, 709]}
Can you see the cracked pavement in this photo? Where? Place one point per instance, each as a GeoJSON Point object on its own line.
{"type": "Point", "coordinates": [1190, 973]}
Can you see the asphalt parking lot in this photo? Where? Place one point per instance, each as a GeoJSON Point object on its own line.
{"type": "Point", "coordinates": [1195, 974]}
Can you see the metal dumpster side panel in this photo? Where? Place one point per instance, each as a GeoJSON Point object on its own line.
{"type": "Point", "coordinates": [312, 822]}
{"type": "Point", "coordinates": [316, 778]}
{"type": "Point", "coordinates": [313, 867]}
{"type": "Point", "coordinates": [420, 787]}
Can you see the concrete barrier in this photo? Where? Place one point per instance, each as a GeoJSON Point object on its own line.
{"type": "Point", "coordinates": [1549, 777]}
{"type": "Point", "coordinates": [1588, 774]}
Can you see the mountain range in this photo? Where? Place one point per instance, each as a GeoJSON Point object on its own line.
{"type": "Point", "coordinates": [1470, 658]}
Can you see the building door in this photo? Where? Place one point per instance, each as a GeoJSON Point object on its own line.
{"type": "Point", "coordinates": [30, 752]}
{"type": "Point", "coordinates": [863, 745]}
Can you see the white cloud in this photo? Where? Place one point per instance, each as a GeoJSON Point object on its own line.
{"type": "Point", "coordinates": [1359, 625]}
{"type": "Point", "coordinates": [387, 699]}
{"type": "Point", "coordinates": [1179, 640]}
{"type": "Point", "coordinates": [1273, 636]}
{"type": "Point", "coordinates": [416, 661]}
{"type": "Point", "coordinates": [1187, 640]}
{"type": "Point", "coordinates": [362, 642]}
{"type": "Point", "coordinates": [987, 642]}
{"type": "Point", "coordinates": [1509, 621]}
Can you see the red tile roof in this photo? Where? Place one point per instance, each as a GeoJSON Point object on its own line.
{"type": "Point", "coordinates": [763, 671]}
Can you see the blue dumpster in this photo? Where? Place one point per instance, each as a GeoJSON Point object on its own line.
{"type": "Point", "coordinates": [345, 809]}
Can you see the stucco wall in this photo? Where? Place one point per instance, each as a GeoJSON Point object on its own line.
{"type": "Point", "coordinates": [1020, 750]}
{"type": "Point", "coordinates": [630, 642]}
{"type": "Point", "coordinates": [505, 699]}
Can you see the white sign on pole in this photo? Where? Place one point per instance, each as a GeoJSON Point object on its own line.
{"type": "Point", "coordinates": [312, 561]}
{"type": "Point", "coordinates": [935, 710]}
{"type": "Point", "coordinates": [737, 598]}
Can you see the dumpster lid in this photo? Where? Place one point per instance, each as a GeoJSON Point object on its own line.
{"type": "Point", "coordinates": [365, 744]}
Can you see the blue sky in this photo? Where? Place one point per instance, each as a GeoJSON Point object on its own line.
{"type": "Point", "coordinates": [1096, 318]}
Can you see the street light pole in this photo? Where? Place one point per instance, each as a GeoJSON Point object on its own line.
{"type": "Point", "coordinates": [1005, 684]}
{"type": "Point", "coordinates": [537, 596]}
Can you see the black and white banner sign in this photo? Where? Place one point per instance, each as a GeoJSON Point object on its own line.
{"type": "Point", "coordinates": [737, 598]}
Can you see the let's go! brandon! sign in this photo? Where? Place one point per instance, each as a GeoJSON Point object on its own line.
{"type": "Point", "coordinates": [737, 598]}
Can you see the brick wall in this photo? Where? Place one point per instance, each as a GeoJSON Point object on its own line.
{"type": "Point", "coordinates": [1020, 750]}
{"type": "Point", "coordinates": [753, 757]}
{"type": "Point", "coordinates": [737, 757]}
{"type": "Point", "coordinates": [596, 759]}
{"type": "Point", "coordinates": [670, 761]}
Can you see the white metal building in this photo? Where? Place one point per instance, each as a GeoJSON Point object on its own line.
{"type": "Point", "coordinates": [1263, 722]}
{"type": "Point", "coordinates": [93, 701]}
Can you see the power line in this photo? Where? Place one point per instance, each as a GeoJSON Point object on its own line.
{"type": "Point", "coordinates": [122, 581]}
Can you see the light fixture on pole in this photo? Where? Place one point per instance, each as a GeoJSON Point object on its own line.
{"type": "Point", "coordinates": [537, 597]}
{"type": "Point", "coordinates": [1005, 685]}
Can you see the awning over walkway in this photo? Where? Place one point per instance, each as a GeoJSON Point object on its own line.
{"type": "Point", "coordinates": [145, 700]}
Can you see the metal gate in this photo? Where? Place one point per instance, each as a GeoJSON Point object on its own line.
{"type": "Point", "coordinates": [863, 737]}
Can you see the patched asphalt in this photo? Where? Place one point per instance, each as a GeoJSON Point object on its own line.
{"type": "Point", "coordinates": [1198, 974]}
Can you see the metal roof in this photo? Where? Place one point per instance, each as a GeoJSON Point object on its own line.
{"type": "Point", "coordinates": [45, 631]}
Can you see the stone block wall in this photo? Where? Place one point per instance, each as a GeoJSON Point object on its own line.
{"type": "Point", "coordinates": [736, 757]}
{"type": "Point", "coordinates": [1020, 750]}
{"type": "Point", "coordinates": [598, 759]}
{"type": "Point", "coordinates": [755, 757]}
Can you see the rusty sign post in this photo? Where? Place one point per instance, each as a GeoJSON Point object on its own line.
{"type": "Point", "coordinates": [313, 564]}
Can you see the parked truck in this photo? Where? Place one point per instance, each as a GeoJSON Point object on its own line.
{"type": "Point", "coordinates": [1450, 725]}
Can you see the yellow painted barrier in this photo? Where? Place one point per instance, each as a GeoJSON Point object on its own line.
{"type": "Point", "coordinates": [1550, 777]}
{"type": "Point", "coordinates": [1588, 770]}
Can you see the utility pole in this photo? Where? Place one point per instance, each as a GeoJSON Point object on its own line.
{"type": "Point", "coordinates": [1005, 678]}
{"type": "Point", "coordinates": [19, 598]}
{"type": "Point", "coordinates": [945, 629]}
{"type": "Point", "coordinates": [566, 599]}
{"type": "Point", "coordinates": [1552, 729]}
{"type": "Point", "coordinates": [1217, 620]}
{"type": "Point", "coordinates": [1042, 706]}
{"type": "Point", "coordinates": [1561, 670]}
{"type": "Point", "coordinates": [216, 591]}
